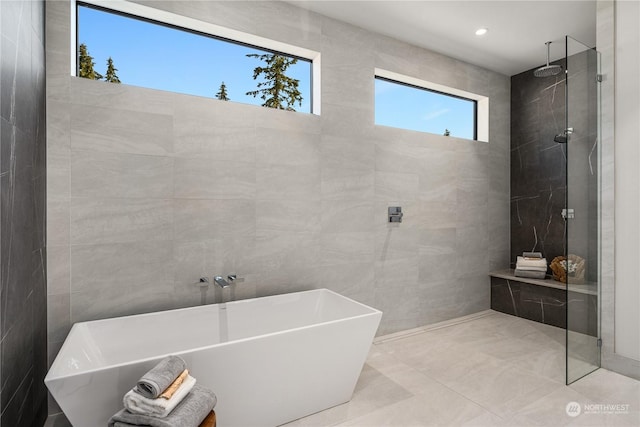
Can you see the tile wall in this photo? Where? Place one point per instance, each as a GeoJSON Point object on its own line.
{"type": "Point", "coordinates": [546, 175]}
{"type": "Point", "coordinates": [23, 304]}
{"type": "Point", "coordinates": [538, 164]}
{"type": "Point", "coordinates": [150, 190]}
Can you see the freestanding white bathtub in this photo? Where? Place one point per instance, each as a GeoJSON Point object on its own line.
{"type": "Point", "coordinates": [269, 360]}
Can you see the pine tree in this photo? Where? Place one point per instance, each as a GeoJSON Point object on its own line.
{"type": "Point", "coordinates": [278, 88]}
{"type": "Point", "coordinates": [222, 93]}
{"type": "Point", "coordinates": [85, 62]}
{"type": "Point", "coordinates": [111, 75]}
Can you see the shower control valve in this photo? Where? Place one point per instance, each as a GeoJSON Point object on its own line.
{"type": "Point", "coordinates": [568, 213]}
{"type": "Point", "coordinates": [395, 214]}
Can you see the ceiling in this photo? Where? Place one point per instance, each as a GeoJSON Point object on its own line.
{"type": "Point", "coordinates": [518, 29]}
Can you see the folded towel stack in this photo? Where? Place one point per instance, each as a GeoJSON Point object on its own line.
{"type": "Point", "coordinates": [167, 396]}
{"type": "Point", "coordinates": [531, 265]}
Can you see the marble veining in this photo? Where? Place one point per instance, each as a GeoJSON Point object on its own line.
{"type": "Point", "coordinates": [537, 166]}
{"type": "Point", "coordinates": [545, 304]}
{"type": "Point", "coordinates": [513, 300]}
{"type": "Point", "coordinates": [23, 299]}
{"type": "Point", "coordinates": [546, 176]}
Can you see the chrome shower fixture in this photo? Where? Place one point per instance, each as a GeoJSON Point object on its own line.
{"type": "Point", "coordinates": [547, 70]}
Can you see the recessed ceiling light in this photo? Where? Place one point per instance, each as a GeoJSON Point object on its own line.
{"type": "Point", "coordinates": [481, 31]}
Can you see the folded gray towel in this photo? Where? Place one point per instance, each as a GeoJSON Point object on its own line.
{"type": "Point", "coordinates": [532, 254]}
{"type": "Point", "coordinates": [189, 413]}
{"type": "Point", "coordinates": [529, 274]}
{"type": "Point", "coordinates": [154, 382]}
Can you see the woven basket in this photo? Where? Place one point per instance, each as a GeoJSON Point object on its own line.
{"type": "Point", "coordinates": [560, 273]}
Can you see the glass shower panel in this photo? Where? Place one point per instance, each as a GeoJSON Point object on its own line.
{"type": "Point", "coordinates": [582, 209]}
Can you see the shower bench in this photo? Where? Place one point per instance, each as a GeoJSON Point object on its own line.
{"type": "Point", "coordinates": [545, 301]}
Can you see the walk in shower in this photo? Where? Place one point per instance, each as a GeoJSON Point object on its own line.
{"type": "Point", "coordinates": [555, 199]}
{"type": "Point", "coordinates": [582, 208]}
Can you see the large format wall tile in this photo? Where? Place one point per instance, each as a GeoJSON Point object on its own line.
{"type": "Point", "coordinates": [58, 270]}
{"type": "Point", "coordinates": [106, 302]}
{"type": "Point", "coordinates": [347, 216]}
{"type": "Point", "coordinates": [163, 188]}
{"type": "Point", "coordinates": [209, 219]}
{"type": "Point", "coordinates": [287, 148]}
{"type": "Point", "coordinates": [347, 153]}
{"type": "Point", "coordinates": [347, 184]}
{"type": "Point", "coordinates": [346, 248]}
{"type": "Point", "coordinates": [58, 316]}
{"type": "Point", "coordinates": [202, 178]}
{"type": "Point", "coordinates": [118, 130]}
{"type": "Point", "coordinates": [397, 186]}
{"type": "Point", "coordinates": [90, 95]}
{"type": "Point", "coordinates": [222, 143]}
{"type": "Point", "coordinates": [95, 221]}
{"type": "Point", "coordinates": [120, 265]}
{"type": "Point", "coordinates": [289, 215]}
{"type": "Point", "coordinates": [279, 182]}
{"type": "Point", "coordinates": [117, 175]}
{"type": "Point", "coordinates": [281, 251]}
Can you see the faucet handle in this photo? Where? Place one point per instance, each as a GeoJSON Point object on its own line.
{"type": "Point", "coordinates": [234, 278]}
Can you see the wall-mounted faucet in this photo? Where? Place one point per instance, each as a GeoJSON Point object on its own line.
{"type": "Point", "coordinates": [225, 283]}
{"type": "Point", "coordinates": [218, 280]}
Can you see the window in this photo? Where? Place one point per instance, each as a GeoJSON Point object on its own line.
{"type": "Point", "coordinates": [141, 50]}
{"type": "Point", "coordinates": [409, 103]}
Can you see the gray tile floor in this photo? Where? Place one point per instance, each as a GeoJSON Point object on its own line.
{"type": "Point", "coordinates": [490, 369]}
{"type": "Point", "coordinates": [486, 370]}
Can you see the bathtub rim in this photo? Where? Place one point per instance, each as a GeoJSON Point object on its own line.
{"type": "Point", "coordinates": [50, 377]}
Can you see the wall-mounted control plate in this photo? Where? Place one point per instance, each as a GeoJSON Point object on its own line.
{"type": "Point", "coordinates": [395, 214]}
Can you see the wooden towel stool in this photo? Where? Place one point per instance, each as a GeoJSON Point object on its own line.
{"type": "Point", "coordinates": [210, 421]}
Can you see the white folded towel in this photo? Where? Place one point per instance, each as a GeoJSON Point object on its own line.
{"type": "Point", "coordinates": [528, 262]}
{"type": "Point", "coordinates": [530, 274]}
{"type": "Point", "coordinates": [138, 404]}
{"type": "Point", "coordinates": [536, 269]}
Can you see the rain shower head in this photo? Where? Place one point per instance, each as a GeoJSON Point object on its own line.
{"type": "Point", "coordinates": [547, 70]}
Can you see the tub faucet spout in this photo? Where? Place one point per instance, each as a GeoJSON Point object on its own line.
{"type": "Point", "coordinates": [221, 282]}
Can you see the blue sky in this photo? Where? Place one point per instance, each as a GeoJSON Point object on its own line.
{"type": "Point", "coordinates": [407, 107]}
{"type": "Point", "coordinates": [160, 57]}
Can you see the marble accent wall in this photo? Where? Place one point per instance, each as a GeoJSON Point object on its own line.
{"type": "Point", "coordinates": [546, 304]}
{"type": "Point", "coordinates": [538, 165]}
{"type": "Point", "coordinates": [546, 175]}
{"type": "Point", "coordinates": [23, 304]}
{"type": "Point", "coordinates": [150, 190]}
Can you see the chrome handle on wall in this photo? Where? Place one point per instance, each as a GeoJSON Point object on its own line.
{"type": "Point", "coordinates": [395, 214]}
{"type": "Point", "coordinates": [233, 278]}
